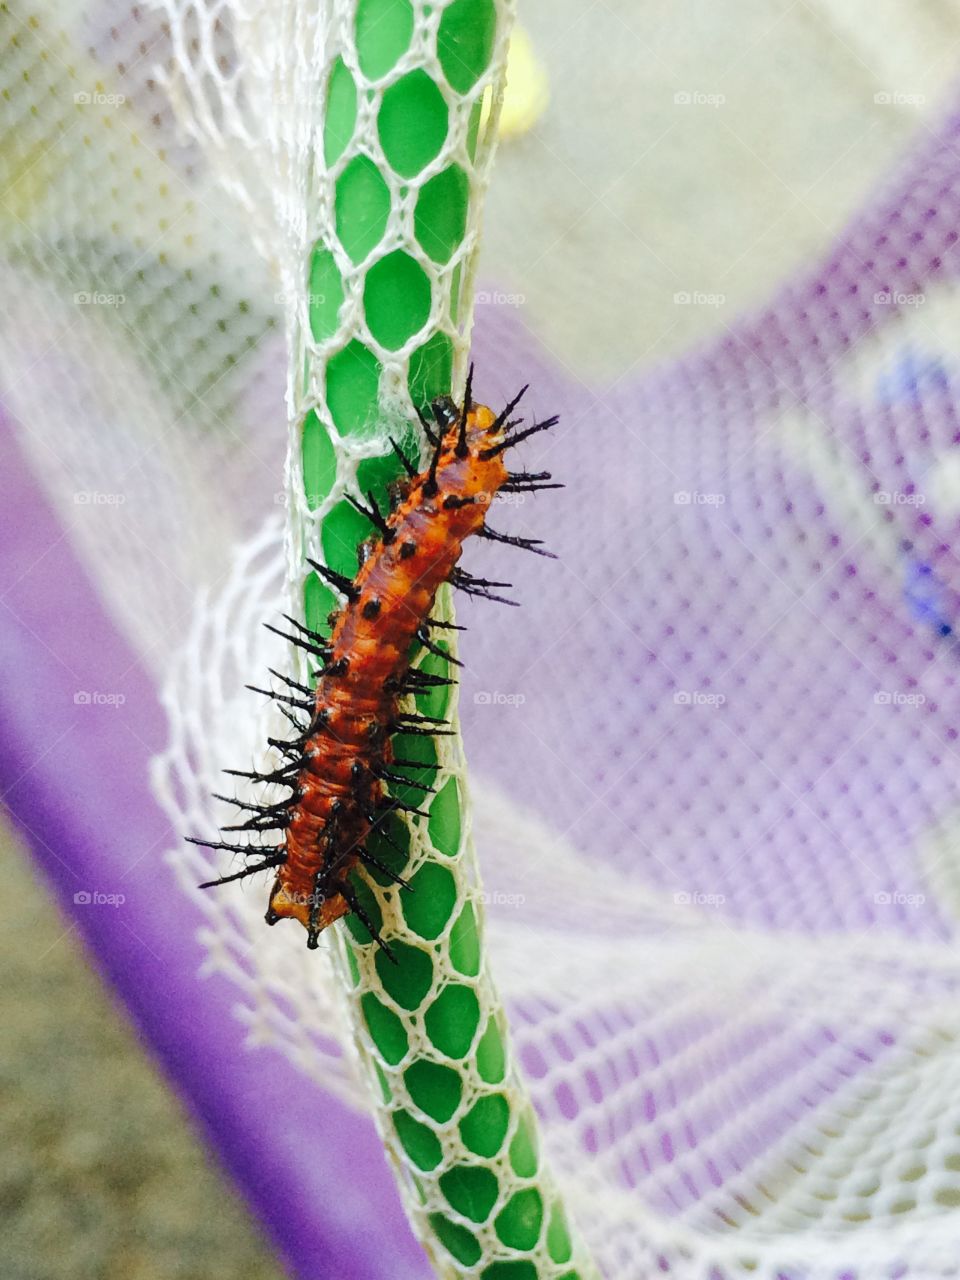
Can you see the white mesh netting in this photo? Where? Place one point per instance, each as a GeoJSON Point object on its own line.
{"type": "Point", "coordinates": [391, 175]}
{"type": "Point", "coordinates": [714, 773]}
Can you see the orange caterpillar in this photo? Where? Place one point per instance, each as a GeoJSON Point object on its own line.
{"type": "Point", "coordinates": [338, 765]}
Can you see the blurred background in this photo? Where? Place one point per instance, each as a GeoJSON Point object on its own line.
{"type": "Point", "coordinates": [669, 165]}
{"type": "Point", "coordinates": [103, 1174]}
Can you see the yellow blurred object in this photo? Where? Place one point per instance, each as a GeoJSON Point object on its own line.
{"type": "Point", "coordinates": [527, 93]}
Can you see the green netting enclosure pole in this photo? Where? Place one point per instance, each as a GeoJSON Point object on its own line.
{"type": "Point", "coordinates": [400, 167]}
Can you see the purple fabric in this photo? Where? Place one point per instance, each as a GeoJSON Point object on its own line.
{"type": "Point", "coordinates": [74, 777]}
{"type": "Point", "coordinates": [727, 689]}
{"type": "Point", "coordinates": [739, 685]}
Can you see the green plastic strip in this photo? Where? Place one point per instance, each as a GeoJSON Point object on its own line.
{"type": "Point", "coordinates": [449, 1100]}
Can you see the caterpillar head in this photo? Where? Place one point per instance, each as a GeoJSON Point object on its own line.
{"type": "Point", "coordinates": [467, 473]}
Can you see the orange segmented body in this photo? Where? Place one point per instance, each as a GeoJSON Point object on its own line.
{"type": "Point", "coordinates": [338, 765]}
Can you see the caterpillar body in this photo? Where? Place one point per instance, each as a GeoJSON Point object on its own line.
{"type": "Point", "coordinates": [339, 764]}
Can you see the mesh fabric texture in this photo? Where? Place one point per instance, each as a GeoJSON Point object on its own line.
{"type": "Point", "coordinates": [719, 849]}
